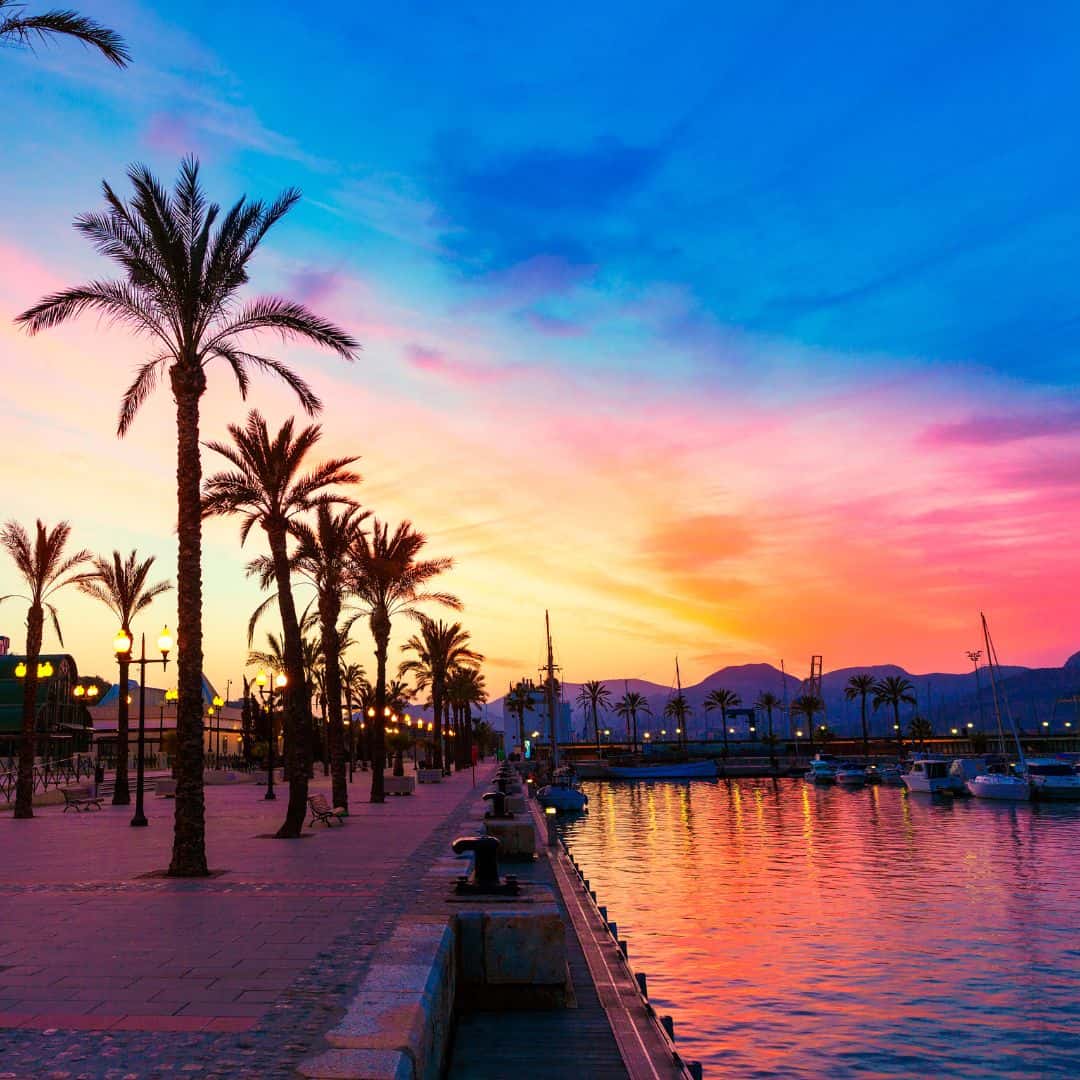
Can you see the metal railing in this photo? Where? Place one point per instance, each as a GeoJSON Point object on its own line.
{"type": "Point", "coordinates": [47, 774]}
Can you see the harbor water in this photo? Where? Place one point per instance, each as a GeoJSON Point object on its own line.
{"type": "Point", "coordinates": [797, 931]}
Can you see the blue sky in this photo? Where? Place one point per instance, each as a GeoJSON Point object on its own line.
{"type": "Point", "coordinates": [779, 225]}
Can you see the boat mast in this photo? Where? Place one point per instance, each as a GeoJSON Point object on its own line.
{"type": "Point", "coordinates": [551, 693]}
{"type": "Point", "coordinates": [678, 698]}
{"type": "Point", "coordinates": [992, 662]}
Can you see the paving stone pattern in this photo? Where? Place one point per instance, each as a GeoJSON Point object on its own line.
{"type": "Point", "coordinates": [108, 973]}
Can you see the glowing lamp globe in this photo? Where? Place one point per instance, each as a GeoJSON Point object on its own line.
{"type": "Point", "coordinates": [122, 642]}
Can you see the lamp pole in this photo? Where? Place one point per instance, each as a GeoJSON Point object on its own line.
{"type": "Point", "coordinates": [122, 647]}
{"type": "Point", "coordinates": [974, 656]}
{"type": "Point", "coordinates": [266, 687]}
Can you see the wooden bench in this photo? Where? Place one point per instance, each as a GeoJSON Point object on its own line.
{"type": "Point", "coordinates": [399, 785]}
{"type": "Point", "coordinates": [81, 798]}
{"type": "Point", "coordinates": [322, 811]}
{"type": "Point", "coordinates": [165, 788]}
{"type": "Point", "coordinates": [429, 776]}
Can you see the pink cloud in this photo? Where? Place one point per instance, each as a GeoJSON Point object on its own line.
{"type": "Point", "coordinates": [1003, 428]}
{"type": "Point", "coordinates": [436, 362]}
{"type": "Point", "coordinates": [315, 287]}
{"type": "Point", "coordinates": [173, 134]}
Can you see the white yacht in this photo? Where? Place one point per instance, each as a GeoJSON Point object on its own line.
{"type": "Point", "coordinates": [1003, 786]}
{"type": "Point", "coordinates": [930, 775]}
{"type": "Point", "coordinates": [1052, 779]}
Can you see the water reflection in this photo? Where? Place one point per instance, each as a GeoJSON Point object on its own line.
{"type": "Point", "coordinates": [806, 932]}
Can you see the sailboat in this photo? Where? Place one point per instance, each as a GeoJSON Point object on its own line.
{"type": "Point", "coordinates": [1004, 786]}
{"type": "Point", "coordinates": [562, 793]}
{"type": "Point", "coordinates": [639, 769]}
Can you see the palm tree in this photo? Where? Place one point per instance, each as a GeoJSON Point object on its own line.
{"type": "Point", "coordinates": [894, 690]}
{"type": "Point", "coordinates": [438, 649]}
{"type": "Point", "coordinates": [723, 700]}
{"type": "Point", "coordinates": [921, 730]}
{"type": "Point", "coordinates": [19, 29]}
{"type": "Point", "coordinates": [627, 708]}
{"type": "Point", "coordinates": [45, 569]}
{"type": "Point", "coordinates": [678, 709]}
{"type": "Point", "coordinates": [353, 681]}
{"type": "Point", "coordinates": [859, 686]}
{"type": "Point", "coordinates": [121, 585]}
{"type": "Point", "coordinates": [594, 696]}
{"type": "Point", "coordinates": [266, 488]}
{"type": "Point", "coordinates": [808, 706]}
{"type": "Point", "coordinates": [322, 557]}
{"type": "Point", "coordinates": [387, 579]}
{"type": "Point", "coordinates": [769, 701]}
{"type": "Point", "coordinates": [464, 689]}
{"type": "Point", "coordinates": [181, 288]}
{"type": "Point", "coordinates": [519, 700]}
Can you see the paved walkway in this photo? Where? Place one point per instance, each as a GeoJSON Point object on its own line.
{"type": "Point", "coordinates": [244, 971]}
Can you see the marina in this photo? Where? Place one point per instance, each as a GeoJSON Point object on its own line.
{"type": "Point", "coordinates": [847, 933]}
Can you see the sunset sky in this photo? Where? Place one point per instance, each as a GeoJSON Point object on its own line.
{"type": "Point", "coordinates": [737, 332]}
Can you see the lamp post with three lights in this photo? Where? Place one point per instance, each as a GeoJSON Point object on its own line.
{"type": "Point", "coordinates": [266, 687]}
{"type": "Point", "coordinates": [122, 644]}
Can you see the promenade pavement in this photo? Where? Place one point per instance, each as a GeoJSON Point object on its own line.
{"type": "Point", "coordinates": [108, 969]}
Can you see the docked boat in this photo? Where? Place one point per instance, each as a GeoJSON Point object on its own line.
{"type": "Point", "coordinates": [1053, 779]}
{"type": "Point", "coordinates": [1005, 787]}
{"type": "Point", "coordinates": [664, 770]}
{"type": "Point", "coordinates": [821, 771]}
{"type": "Point", "coordinates": [930, 775]}
{"type": "Point", "coordinates": [848, 774]}
{"type": "Point", "coordinates": [563, 793]}
{"type": "Point", "coordinates": [888, 774]}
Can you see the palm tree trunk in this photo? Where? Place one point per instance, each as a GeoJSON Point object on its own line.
{"type": "Point", "coordinates": [297, 703]}
{"type": "Point", "coordinates": [380, 627]}
{"type": "Point", "coordinates": [331, 643]}
{"type": "Point", "coordinates": [436, 701]}
{"type": "Point", "coordinates": [121, 794]}
{"type": "Point", "coordinates": [189, 824]}
{"type": "Point", "coordinates": [24, 784]}
{"type": "Point", "coordinates": [865, 734]}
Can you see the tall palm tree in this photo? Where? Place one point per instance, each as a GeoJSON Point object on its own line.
{"type": "Point", "coordinates": [769, 701]}
{"type": "Point", "coordinates": [861, 686]}
{"type": "Point", "coordinates": [465, 688]}
{"type": "Point", "coordinates": [594, 696]}
{"type": "Point", "coordinates": [723, 700]}
{"type": "Point", "coordinates": [921, 730]}
{"type": "Point", "coordinates": [519, 700]}
{"type": "Point", "coordinates": [20, 29]}
{"type": "Point", "coordinates": [266, 487]}
{"type": "Point", "coordinates": [322, 556]}
{"type": "Point", "coordinates": [353, 681]}
{"type": "Point", "coordinates": [678, 709]}
{"type": "Point", "coordinates": [387, 579]}
{"type": "Point", "coordinates": [45, 569]}
{"type": "Point", "coordinates": [183, 275]}
{"type": "Point", "coordinates": [121, 585]}
{"type": "Point", "coordinates": [627, 709]}
{"type": "Point", "coordinates": [808, 706]}
{"type": "Point", "coordinates": [438, 649]}
{"type": "Point", "coordinates": [894, 690]}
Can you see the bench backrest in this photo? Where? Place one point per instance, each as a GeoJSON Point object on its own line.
{"type": "Point", "coordinates": [77, 793]}
{"type": "Point", "coordinates": [318, 802]}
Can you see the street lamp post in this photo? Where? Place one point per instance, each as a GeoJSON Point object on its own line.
{"type": "Point", "coordinates": [974, 656]}
{"type": "Point", "coordinates": [122, 647]}
{"type": "Point", "coordinates": [266, 688]}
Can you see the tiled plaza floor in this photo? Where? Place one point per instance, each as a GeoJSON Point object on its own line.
{"type": "Point", "coordinates": [105, 972]}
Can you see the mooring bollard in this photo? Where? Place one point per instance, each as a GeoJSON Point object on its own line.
{"type": "Point", "coordinates": [498, 806]}
{"type": "Point", "coordinates": [603, 912]}
{"type": "Point", "coordinates": [668, 1024]}
{"type": "Point", "coordinates": [485, 880]}
{"type": "Point", "coordinates": [613, 930]}
{"type": "Point", "coordinates": [624, 949]}
{"type": "Point", "coordinates": [641, 984]}
{"type": "Point", "coordinates": [695, 1070]}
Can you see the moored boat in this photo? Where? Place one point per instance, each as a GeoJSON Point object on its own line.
{"type": "Point", "coordinates": [1053, 779]}
{"type": "Point", "coordinates": [562, 793]}
{"type": "Point", "coordinates": [930, 775]}
{"type": "Point", "coordinates": [1002, 786]}
{"type": "Point", "coordinates": [848, 774]}
{"type": "Point", "coordinates": [884, 774]}
{"type": "Point", "coordinates": [822, 771]}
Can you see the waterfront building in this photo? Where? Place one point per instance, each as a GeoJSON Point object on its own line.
{"type": "Point", "coordinates": [62, 722]}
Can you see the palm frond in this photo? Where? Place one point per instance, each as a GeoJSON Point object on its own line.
{"type": "Point", "coordinates": [28, 30]}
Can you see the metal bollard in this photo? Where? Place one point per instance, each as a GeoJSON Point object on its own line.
{"type": "Point", "coordinates": [642, 985]}
{"type": "Point", "coordinates": [603, 912]}
{"type": "Point", "coordinates": [668, 1025]}
{"type": "Point", "coordinates": [624, 949]}
{"type": "Point", "coordinates": [613, 930]}
{"type": "Point", "coordinates": [695, 1070]}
